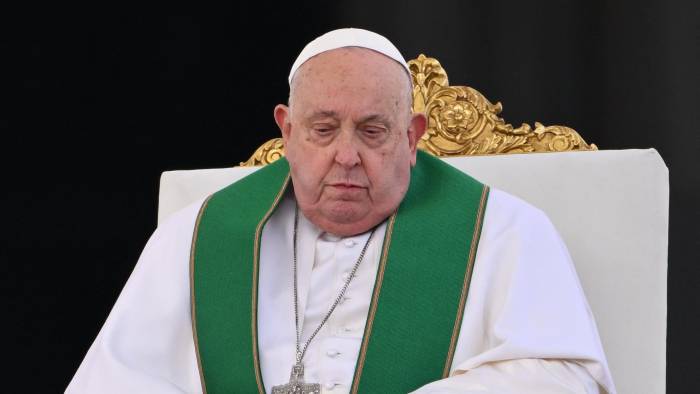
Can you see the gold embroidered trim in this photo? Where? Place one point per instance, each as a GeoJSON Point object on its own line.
{"type": "Point", "coordinates": [467, 282]}
{"type": "Point", "coordinates": [193, 317]}
{"type": "Point", "coordinates": [373, 305]}
{"type": "Point", "coordinates": [256, 257]}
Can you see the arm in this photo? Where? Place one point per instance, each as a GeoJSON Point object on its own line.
{"type": "Point", "coordinates": [522, 376]}
{"type": "Point", "coordinates": [527, 327]}
{"type": "Point", "coordinates": [146, 346]}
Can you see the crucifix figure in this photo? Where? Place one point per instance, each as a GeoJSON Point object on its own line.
{"type": "Point", "coordinates": [296, 383]}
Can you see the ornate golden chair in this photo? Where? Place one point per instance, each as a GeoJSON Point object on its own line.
{"type": "Point", "coordinates": [461, 121]}
{"type": "Point", "coordinates": [611, 208]}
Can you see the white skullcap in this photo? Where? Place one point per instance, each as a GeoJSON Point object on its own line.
{"type": "Point", "coordinates": [349, 37]}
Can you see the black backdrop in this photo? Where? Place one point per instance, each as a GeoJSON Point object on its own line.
{"type": "Point", "coordinates": [108, 97]}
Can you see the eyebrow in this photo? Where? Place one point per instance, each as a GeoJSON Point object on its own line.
{"type": "Point", "coordinates": [334, 115]}
{"type": "Point", "coordinates": [375, 117]}
{"type": "Point", "coordinates": [322, 114]}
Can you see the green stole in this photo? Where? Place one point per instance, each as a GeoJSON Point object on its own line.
{"type": "Point", "coordinates": [419, 294]}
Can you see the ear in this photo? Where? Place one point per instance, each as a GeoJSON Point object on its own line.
{"type": "Point", "coordinates": [416, 129]}
{"type": "Point", "coordinates": [283, 121]}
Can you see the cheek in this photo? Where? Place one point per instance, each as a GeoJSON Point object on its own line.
{"type": "Point", "coordinates": [309, 170]}
{"type": "Point", "coordinates": [306, 172]}
{"type": "Point", "coordinates": [389, 175]}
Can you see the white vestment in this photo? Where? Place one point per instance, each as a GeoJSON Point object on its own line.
{"type": "Point", "coordinates": [527, 327]}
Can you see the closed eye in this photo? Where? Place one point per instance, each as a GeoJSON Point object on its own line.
{"type": "Point", "coordinates": [374, 132]}
{"type": "Point", "coordinates": [323, 129]}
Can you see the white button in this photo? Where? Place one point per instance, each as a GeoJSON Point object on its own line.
{"type": "Point", "coordinates": [345, 275]}
{"type": "Point", "coordinates": [342, 300]}
{"type": "Point", "coordinates": [350, 243]}
{"type": "Point", "coordinates": [332, 353]}
{"type": "Point", "coordinates": [329, 386]}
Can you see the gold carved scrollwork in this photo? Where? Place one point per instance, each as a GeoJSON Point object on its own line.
{"type": "Point", "coordinates": [461, 121]}
{"type": "Point", "coordinates": [266, 153]}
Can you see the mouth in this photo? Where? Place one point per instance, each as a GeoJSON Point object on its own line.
{"type": "Point", "coordinates": [346, 186]}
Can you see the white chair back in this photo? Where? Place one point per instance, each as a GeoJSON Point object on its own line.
{"type": "Point", "coordinates": [611, 208]}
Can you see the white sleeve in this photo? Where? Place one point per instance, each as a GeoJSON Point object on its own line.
{"type": "Point", "coordinates": [523, 376]}
{"type": "Point", "coordinates": [146, 345]}
{"type": "Point", "coordinates": [527, 326]}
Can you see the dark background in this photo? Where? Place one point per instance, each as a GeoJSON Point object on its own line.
{"type": "Point", "coordinates": [101, 99]}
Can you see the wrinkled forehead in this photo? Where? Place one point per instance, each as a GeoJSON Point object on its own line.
{"type": "Point", "coordinates": [351, 78]}
{"type": "Point", "coordinates": [352, 74]}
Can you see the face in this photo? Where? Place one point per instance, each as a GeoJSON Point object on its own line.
{"type": "Point", "coordinates": [350, 138]}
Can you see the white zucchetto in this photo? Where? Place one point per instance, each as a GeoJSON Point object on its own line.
{"type": "Point", "coordinates": [348, 37]}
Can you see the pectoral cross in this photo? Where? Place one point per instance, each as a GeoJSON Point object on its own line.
{"type": "Point", "coordinates": [296, 383]}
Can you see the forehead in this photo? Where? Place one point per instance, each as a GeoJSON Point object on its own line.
{"type": "Point", "coordinates": [352, 77]}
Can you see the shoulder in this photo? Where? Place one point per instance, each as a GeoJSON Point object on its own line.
{"type": "Point", "coordinates": [179, 225]}
{"type": "Point", "coordinates": [520, 248]}
{"type": "Point", "coordinates": [519, 236]}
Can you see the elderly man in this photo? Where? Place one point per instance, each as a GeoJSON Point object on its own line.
{"type": "Point", "coordinates": [356, 264]}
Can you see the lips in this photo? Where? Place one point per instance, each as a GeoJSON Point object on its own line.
{"type": "Point", "coordinates": [343, 185]}
{"type": "Point", "coordinates": [346, 191]}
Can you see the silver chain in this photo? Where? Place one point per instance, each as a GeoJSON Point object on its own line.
{"type": "Point", "coordinates": [302, 351]}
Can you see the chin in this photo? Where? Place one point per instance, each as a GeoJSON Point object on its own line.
{"type": "Point", "coordinates": [350, 222]}
{"type": "Point", "coordinates": [345, 218]}
{"type": "Point", "coordinates": [341, 218]}
{"type": "Point", "coordinates": [345, 212]}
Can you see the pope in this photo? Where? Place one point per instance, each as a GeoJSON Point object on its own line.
{"type": "Point", "coordinates": [354, 264]}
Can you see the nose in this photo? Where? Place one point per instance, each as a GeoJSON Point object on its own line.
{"type": "Point", "coordinates": [346, 153]}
